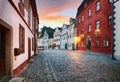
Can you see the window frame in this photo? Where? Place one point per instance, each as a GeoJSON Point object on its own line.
{"type": "Point", "coordinates": [89, 12]}
{"type": "Point", "coordinates": [97, 24]}
{"type": "Point", "coordinates": [110, 19]}
{"type": "Point", "coordinates": [89, 28]}
{"type": "Point", "coordinates": [33, 44]}
{"type": "Point", "coordinates": [79, 20]}
{"type": "Point", "coordinates": [82, 30]}
{"type": "Point", "coordinates": [82, 18]}
{"type": "Point", "coordinates": [21, 39]}
{"type": "Point", "coordinates": [98, 6]}
{"type": "Point", "coordinates": [98, 43]}
{"type": "Point", "coordinates": [23, 2]}
{"type": "Point", "coordinates": [105, 42]}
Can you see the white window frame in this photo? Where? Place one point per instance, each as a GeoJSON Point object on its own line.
{"type": "Point", "coordinates": [98, 6]}
{"type": "Point", "coordinates": [82, 18]}
{"type": "Point", "coordinates": [79, 20]}
{"type": "Point", "coordinates": [97, 24]}
{"type": "Point", "coordinates": [110, 19]}
{"type": "Point", "coordinates": [105, 43]}
{"type": "Point", "coordinates": [98, 43]}
{"type": "Point", "coordinates": [89, 28]}
{"type": "Point", "coordinates": [89, 12]}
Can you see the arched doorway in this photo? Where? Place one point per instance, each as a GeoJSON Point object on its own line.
{"type": "Point", "coordinates": [88, 43]}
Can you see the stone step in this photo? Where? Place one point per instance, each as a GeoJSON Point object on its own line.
{"type": "Point", "coordinates": [17, 79]}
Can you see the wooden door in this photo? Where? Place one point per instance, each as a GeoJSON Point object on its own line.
{"type": "Point", "coordinates": [29, 48]}
{"type": "Point", "coordinates": [2, 53]}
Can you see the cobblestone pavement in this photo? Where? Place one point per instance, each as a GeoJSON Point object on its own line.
{"type": "Point", "coordinates": [72, 66]}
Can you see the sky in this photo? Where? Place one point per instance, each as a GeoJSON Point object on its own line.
{"type": "Point", "coordinates": [55, 13]}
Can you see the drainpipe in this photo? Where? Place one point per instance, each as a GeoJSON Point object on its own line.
{"type": "Point", "coordinates": [113, 45]}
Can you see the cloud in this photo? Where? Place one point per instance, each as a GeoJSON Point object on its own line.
{"type": "Point", "coordinates": [57, 10]}
{"type": "Point", "coordinates": [46, 7]}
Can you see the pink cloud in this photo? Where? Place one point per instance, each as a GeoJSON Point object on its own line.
{"type": "Point", "coordinates": [51, 9]}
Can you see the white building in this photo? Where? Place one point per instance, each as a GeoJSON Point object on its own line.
{"type": "Point", "coordinates": [57, 38]}
{"type": "Point", "coordinates": [45, 40]}
{"type": "Point", "coordinates": [40, 40]}
{"type": "Point", "coordinates": [71, 34]}
{"type": "Point", "coordinates": [117, 29]}
{"type": "Point", "coordinates": [18, 25]}
{"type": "Point", "coordinates": [64, 37]}
{"type": "Point", "coordinates": [50, 43]}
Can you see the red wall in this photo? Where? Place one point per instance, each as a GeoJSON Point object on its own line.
{"type": "Point", "coordinates": [105, 29]}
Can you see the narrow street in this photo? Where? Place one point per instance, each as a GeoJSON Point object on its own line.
{"type": "Point", "coordinates": [71, 66]}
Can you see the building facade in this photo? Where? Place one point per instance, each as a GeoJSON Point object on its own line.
{"type": "Point", "coordinates": [46, 37]}
{"type": "Point", "coordinates": [50, 43]}
{"type": "Point", "coordinates": [64, 37]}
{"type": "Point", "coordinates": [45, 40]}
{"type": "Point", "coordinates": [18, 24]}
{"type": "Point", "coordinates": [94, 29]}
{"type": "Point", "coordinates": [71, 34]}
{"type": "Point", "coordinates": [39, 43]}
{"type": "Point", "coordinates": [57, 38]}
{"type": "Point", "coordinates": [117, 29]}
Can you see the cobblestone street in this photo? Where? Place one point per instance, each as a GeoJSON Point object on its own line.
{"type": "Point", "coordinates": [72, 66]}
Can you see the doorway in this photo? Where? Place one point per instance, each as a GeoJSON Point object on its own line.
{"type": "Point", "coordinates": [88, 43]}
{"type": "Point", "coordinates": [73, 46]}
{"type": "Point", "coordinates": [65, 46]}
{"type": "Point", "coordinates": [29, 48]}
{"type": "Point", "coordinates": [2, 52]}
{"type": "Point", "coordinates": [6, 63]}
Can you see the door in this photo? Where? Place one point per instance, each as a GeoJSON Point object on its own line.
{"type": "Point", "coordinates": [73, 46]}
{"type": "Point", "coordinates": [29, 48]}
{"type": "Point", "coordinates": [88, 45]}
{"type": "Point", "coordinates": [65, 46]}
{"type": "Point", "coordinates": [2, 53]}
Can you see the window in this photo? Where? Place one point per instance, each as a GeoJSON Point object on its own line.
{"type": "Point", "coordinates": [110, 1]}
{"type": "Point", "coordinates": [82, 18]}
{"type": "Point", "coordinates": [82, 30]}
{"type": "Point", "coordinates": [29, 13]}
{"type": "Point", "coordinates": [105, 42]}
{"type": "Point", "coordinates": [22, 1]}
{"type": "Point", "coordinates": [21, 39]}
{"type": "Point", "coordinates": [33, 23]}
{"type": "Point", "coordinates": [89, 28]}
{"type": "Point", "coordinates": [33, 44]}
{"type": "Point", "coordinates": [97, 6]}
{"type": "Point", "coordinates": [97, 24]}
{"type": "Point", "coordinates": [110, 19]}
{"type": "Point", "coordinates": [98, 43]}
{"type": "Point", "coordinates": [79, 20]}
{"type": "Point", "coordinates": [89, 12]}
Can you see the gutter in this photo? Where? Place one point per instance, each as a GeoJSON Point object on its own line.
{"type": "Point", "coordinates": [113, 45]}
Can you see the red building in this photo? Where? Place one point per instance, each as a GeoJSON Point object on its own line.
{"type": "Point", "coordinates": [94, 29]}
